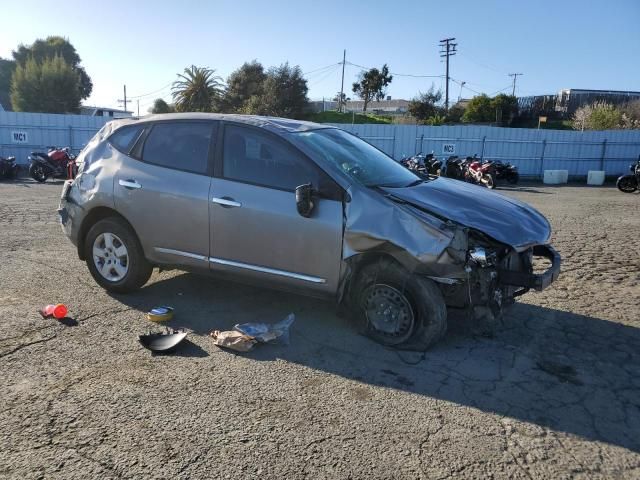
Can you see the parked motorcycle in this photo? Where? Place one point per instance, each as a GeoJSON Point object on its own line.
{"type": "Point", "coordinates": [8, 167]}
{"type": "Point", "coordinates": [630, 182]}
{"type": "Point", "coordinates": [455, 167]}
{"type": "Point", "coordinates": [56, 163]}
{"type": "Point", "coordinates": [423, 165]}
{"type": "Point", "coordinates": [506, 171]}
{"type": "Point", "coordinates": [480, 173]}
{"type": "Point", "coordinates": [432, 164]}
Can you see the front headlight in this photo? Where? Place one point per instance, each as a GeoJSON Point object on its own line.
{"type": "Point", "coordinates": [482, 257]}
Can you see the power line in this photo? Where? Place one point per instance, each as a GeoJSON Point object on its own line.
{"type": "Point", "coordinates": [324, 76]}
{"type": "Point", "coordinates": [398, 74]}
{"type": "Point", "coordinates": [488, 67]}
{"type": "Point", "coordinates": [321, 68]}
{"type": "Point", "coordinates": [151, 93]}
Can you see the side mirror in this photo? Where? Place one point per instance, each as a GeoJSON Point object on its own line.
{"type": "Point", "coordinates": [304, 200]}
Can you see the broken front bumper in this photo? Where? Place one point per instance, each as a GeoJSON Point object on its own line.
{"type": "Point", "coordinates": [536, 281]}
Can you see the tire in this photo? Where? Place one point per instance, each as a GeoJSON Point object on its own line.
{"type": "Point", "coordinates": [489, 181]}
{"type": "Point", "coordinates": [37, 172]}
{"type": "Point", "coordinates": [136, 268]}
{"type": "Point", "coordinates": [627, 183]}
{"type": "Point", "coordinates": [513, 178]}
{"type": "Point", "coordinates": [386, 280]}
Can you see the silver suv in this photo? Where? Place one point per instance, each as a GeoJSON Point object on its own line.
{"type": "Point", "coordinates": [302, 207]}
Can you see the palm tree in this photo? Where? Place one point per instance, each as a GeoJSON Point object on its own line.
{"type": "Point", "coordinates": [197, 90]}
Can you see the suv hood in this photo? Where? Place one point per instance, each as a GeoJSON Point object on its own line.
{"type": "Point", "coordinates": [504, 219]}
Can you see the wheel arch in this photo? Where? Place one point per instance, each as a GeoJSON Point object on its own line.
{"type": "Point", "coordinates": [355, 265]}
{"type": "Point", "coordinates": [93, 217]}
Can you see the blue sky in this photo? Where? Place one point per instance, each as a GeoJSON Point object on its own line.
{"type": "Point", "coordinates": [556, 44]}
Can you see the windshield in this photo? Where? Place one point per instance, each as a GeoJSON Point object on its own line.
{"type": "Point", "coordinates": [359, 160]}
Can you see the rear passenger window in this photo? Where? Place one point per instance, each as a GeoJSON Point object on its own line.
{"type": "Point", "coordinates": [124, 138]}
{"type": "Point", "coordinates": [180, 145]}
{"type": "Point", "coordinates": [255, 157]}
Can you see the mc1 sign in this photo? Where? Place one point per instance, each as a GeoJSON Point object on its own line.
{"type": "Point", "coordinates": [19, 136]}
{"type": "Point", "coordinates": [449, 148]}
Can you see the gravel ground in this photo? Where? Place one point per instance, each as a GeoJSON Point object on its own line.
{"type": "Point", "coordinates": [552, 393]}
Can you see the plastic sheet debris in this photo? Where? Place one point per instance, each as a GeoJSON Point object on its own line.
{"type": "Point", "coordinates": [160, 314]}
{"type": "Point", "coordinates": [245, 335]}
{"type": "Point", "coordinates": [164, 342]}
{"type": "Point", "coordinates": [265, 332]}
{"type": "Point", "coordinates": [57, 311]}
{"type": "Point", "coordinates": [233, 340]}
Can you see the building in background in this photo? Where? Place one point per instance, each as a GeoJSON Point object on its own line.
{"type": "Point", "coordinates": [105, 112]}
{"type": "Point", "coordinates": [569, 100]}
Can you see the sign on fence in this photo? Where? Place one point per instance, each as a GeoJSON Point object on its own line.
{"type": "Point", "coordinates": [19, 136]}
{"type": "Point", "coordinates": [448, 148]}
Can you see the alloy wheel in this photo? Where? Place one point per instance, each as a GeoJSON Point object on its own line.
{"type": "Point", "coordinates": [110, 256]}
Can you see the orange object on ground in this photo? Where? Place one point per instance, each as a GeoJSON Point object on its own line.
{"type": "Point", "coordinates": [56, 311]}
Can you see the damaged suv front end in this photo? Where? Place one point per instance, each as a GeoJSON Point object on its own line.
{"type": "Point", "coordinates": [480, 248]}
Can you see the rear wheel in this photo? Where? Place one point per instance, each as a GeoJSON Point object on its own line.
{"type": "Point", "coordinates": [115, 257]}
{"type": "Point", "coordinates": [398, 308]}
{"type": "Point", "coordinates": [627, 184]}
{"type": "Point", "coordinates": [37, 172]}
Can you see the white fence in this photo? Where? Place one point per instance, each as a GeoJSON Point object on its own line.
{"type": "Point", "coordinates": [21, 133]}
{"type": "Point", "coordinates": [531, 150]}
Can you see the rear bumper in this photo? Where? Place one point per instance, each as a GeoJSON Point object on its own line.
{"type": "Point", "coordinates": [536, 281]}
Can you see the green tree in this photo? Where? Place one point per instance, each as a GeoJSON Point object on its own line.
{"type": "Point", "coordinates": [372, 84]}
{"type": "Point", "coordinates": [505, 108]}
{"type": "Point", "coordinates": [426, 105]}
{"type": "Point", "coordinates": [53, 46]}
{"type": "Point", "coordinates": [197, 90]}
{"type": "Point", "coordinates": [455, 113]}
{"type": "Point", "coordinates": [6, 71]}
{"type": "Point", "coordinates": [605, 117]}
{"type": "Point", "coordinates": [244, 83]}
{"type": "Point", "coordinates": [598, 116]}
{"type": "Point", "coordinates": [160, 106]}
{"type": "Point", "coordinates": [50, 86]}
{"type": "Point", "coordinates": [284, 94]}
{"type": "Point", "coordinates": [479, 109]}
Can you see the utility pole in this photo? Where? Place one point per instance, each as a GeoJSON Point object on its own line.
{"type": "Point", "coordinates": [138, 107]}
{"type": "Point", "coordinates": [125, 99]}
{"type": "Point", "coordinates": [448, 49]}
{"type": "Point", "coordinates": [344, 59]}
{"type": "Point", "coordinates": [514, 75]}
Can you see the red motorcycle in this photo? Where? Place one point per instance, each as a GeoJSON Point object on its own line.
{"type": "Point", "coordinates": [56, 163]}
{"type": "Point", "coordinates": [480, 173]}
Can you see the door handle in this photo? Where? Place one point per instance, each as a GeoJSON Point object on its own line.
{"type": "Point", "coordinates": [226, 202]}
{"type": "Point", "coordinates": [129, 184]}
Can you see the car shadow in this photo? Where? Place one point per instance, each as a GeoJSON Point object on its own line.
{"type": "Point", "coordinates": [567, 372]}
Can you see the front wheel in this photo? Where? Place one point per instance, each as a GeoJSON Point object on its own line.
{"type": "Point", "coordinates": [627, 183]}
{"type": "Point", "coordinates": [398, 308]}
{"type": "Point", "coordinates": [38, 173]}
{"type": "Point", "coordinates": [489, 181]}
{"type": "Point", "coordinates": [115, 257]}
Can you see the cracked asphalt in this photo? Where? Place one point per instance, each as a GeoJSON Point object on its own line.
{"type": "Point", "coordinates": [552, 392]}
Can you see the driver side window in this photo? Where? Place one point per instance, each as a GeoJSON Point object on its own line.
{"type": "Point", "coordinates": [255, 157]}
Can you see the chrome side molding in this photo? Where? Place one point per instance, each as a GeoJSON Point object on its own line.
{"type": "Point", "coordinates": [273, 271]}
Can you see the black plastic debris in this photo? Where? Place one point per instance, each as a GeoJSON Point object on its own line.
{"type": "Point", "coordinates": [165, 342]}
